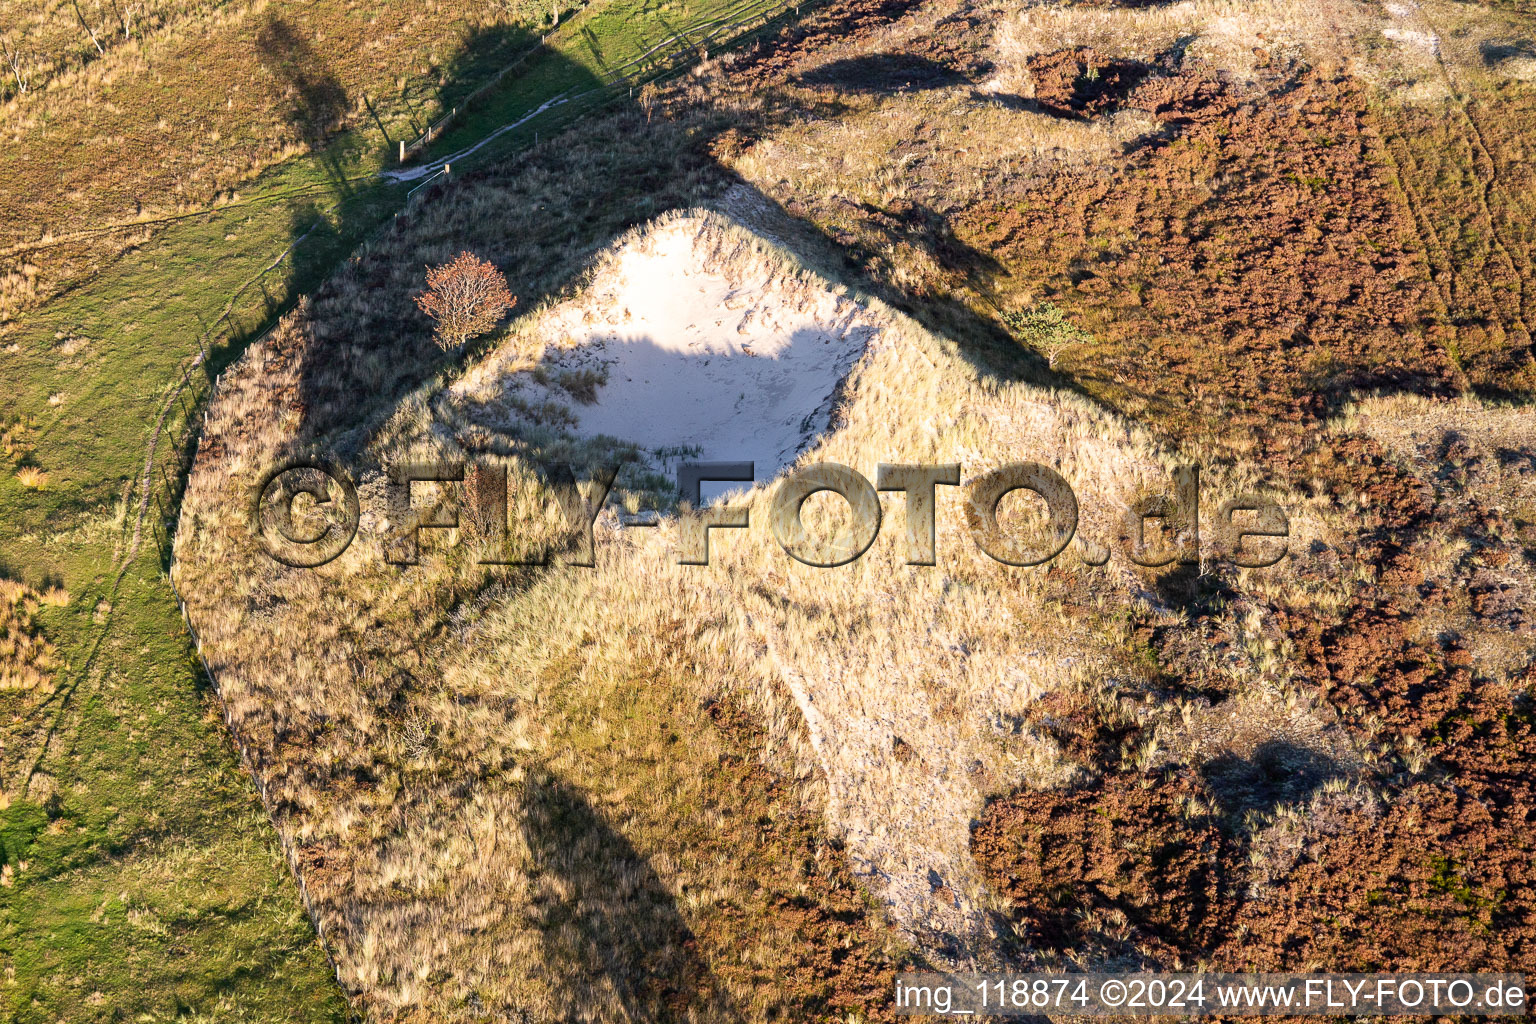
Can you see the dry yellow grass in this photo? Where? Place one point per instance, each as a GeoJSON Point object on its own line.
{"type": "Point", "coordinates": [27, 660]}
{"type": "Point", "coordinates": [52, 40]}
{"type": "Point", "coordinates": [417, 720]}
{"type": "Point", "coordinates": [32, 477]}
{"type": "Point", "coordinates": [1222, 33]}
{"type": "Point", "coordinates": [1421, 52]}
{"type": "Point", "coordinates": [28, 663]}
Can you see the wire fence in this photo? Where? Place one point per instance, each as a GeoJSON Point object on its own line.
{"type": "Point", "coordinates": [264, 791]}
{"type": "Point", "coordinates": [674, 54]}
{"type": "Point", "coordinates": [437, 127]}
{"type": "Point", "coordinates": [186, 441]}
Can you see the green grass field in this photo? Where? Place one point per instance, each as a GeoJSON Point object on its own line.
{"type": "Point", "coordinates": [152, 885]}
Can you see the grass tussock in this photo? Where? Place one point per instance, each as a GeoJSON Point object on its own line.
{"type": "Point", "coordinates": [32, 477]}
{"type": "Point", "coordinates": [29, 665]}
{"type": "Point", "coordinates": [27, 659]}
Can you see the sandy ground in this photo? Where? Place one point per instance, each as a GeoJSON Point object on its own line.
{"type": "Point", "coordinates": [696, 362]}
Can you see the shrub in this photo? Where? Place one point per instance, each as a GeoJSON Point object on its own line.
{"type": "Point", "coordinates": [466, 298]}
{"type": "Point", "coordinates": [1046, 329]}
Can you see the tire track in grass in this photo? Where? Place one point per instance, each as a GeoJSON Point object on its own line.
{"type": "Point", "coordinates": [65, 695]}
{"type": "Point", "coordinates": [1489, 189]}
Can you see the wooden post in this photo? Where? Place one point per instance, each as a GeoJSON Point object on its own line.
{"type": "Point", "coordinates": [402, 151]}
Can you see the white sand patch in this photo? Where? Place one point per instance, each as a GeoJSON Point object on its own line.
{"type": "Point", "coordinates": [1426, 41]}
{"type": "Point", "coordinates": [701, 354]}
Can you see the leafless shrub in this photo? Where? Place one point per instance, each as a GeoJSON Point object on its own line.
{"type": "Point", "coordinates": [88, 30]}
{"type": "Point", "coordinates": [13, 57]}
{"type": "Point", "coordinates": [466, 298]}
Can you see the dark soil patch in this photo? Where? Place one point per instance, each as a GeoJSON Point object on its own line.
{"type": "Point", "coordinates": [1081, 82]}
{"type": "Point", "coordinates": [1496, 52]}
{"type": "Point", "coordinates": [1120, 871]}
{"type": "Point", "coordinates": [1111, 866]}
{"type": "Point", "coordinates": [837, 962]}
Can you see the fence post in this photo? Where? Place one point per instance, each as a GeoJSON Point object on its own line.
{"type": "Point", "coordinates": [402, 151]}
{"type": "Point", "coordinates": [205, 361]}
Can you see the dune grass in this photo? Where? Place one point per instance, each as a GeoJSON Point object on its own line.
{"type": "Point", "coordinates": [459, 698]}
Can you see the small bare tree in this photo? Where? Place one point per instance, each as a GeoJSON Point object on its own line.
{"type": "Point", "coordinates": [14, 59]}
{"type": "Point", "coordinates": [126, 21]}
{"type": "Point", "coordinates": [88, 30]}
{"type": "Point", "coordinates": [466, 298]}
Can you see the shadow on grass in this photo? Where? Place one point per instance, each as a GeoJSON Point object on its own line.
{"type": "Point", "coordinates": [1496, 52]}
{"type": "Point", "coordinates": [315, 100]}
{"type": "Point", "coordinates": [607, 922]}
{"type": "Point", "coordinates": [883, 73]}
{"type": "Point", "coordinates": [1277, 772]}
